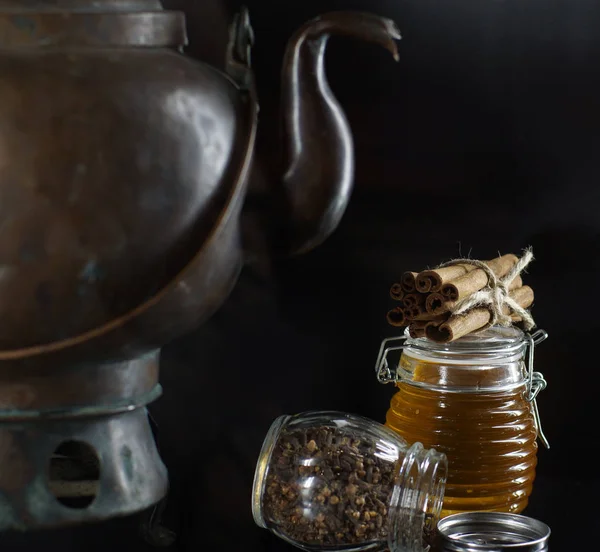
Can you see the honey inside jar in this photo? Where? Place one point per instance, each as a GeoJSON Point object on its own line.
{"type": "Point", "coordinates": [472, 407]}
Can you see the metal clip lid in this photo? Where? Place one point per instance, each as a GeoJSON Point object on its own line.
{"type": "Point", "coordinates": [382, 367]}
{"type": "Point", "coordinates": [536, 383]}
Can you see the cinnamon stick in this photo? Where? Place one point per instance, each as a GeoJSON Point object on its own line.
{"type": "Point", "coordinates": [516, 283]}
{"type": "Point", "coordinates": [416, 330]}
{"type": "Point", "coordinates": [436, 322]}
{"type": "Point", "coordinates": [396, 317]}
{"type": "Point", "coordinates": [408, 281]}
{"type": "Point", "coordinates": [523, 296]}
{"type": "Point", "coordinates": [416, 333]}
{"type": "Point", "coordinates": [460, 325]}
{"type": "Point", "coordinates": [413, 313]}
{"type": "Point", "coordinates": [413, 300]}
{"type": "Point", "coordinates": [433, 280]}
{"type": "Point", "coordinates": [428, 317]}
{"type": "Point", "coordinates": [436, 303]}
{"type": "Point", "coordinates": [419, 328]}
{"type": "Point", "coordinates": [396, 292]}
{"type": "Point", "coordinates": [477, 279]}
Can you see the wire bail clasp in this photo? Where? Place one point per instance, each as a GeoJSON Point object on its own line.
{"type": "Point", "coordinates": [536, 383]}
{"type": "Point", "coordinates": [382, 367]}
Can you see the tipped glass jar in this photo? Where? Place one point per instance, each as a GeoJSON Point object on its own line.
{"type": "Point", "coordinates": [474, 400]}
{"type": "Point", "coordinates": [329, 480]}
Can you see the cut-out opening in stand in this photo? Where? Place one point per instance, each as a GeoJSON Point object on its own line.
{"type": "Point", "coordinates": [74, 474]}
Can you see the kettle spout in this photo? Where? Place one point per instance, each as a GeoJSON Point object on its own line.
{"type": "Point", "coordinates": [318, 147]}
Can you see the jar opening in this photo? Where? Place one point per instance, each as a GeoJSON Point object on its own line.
{"type": "Point", "coordinates": [417, 499]}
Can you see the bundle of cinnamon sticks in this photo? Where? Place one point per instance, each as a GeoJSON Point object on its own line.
{"type": "Point", "coordinates": [426, 299]}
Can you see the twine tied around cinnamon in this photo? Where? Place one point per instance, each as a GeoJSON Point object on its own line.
{"type": "Point", "coordinates": [495, 296]}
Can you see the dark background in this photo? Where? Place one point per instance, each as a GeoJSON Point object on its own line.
{"type": "Point", "coordinates": [483, 139]}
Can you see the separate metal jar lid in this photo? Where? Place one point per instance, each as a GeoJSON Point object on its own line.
{"type": "Point", "coordinates": [491, 532]}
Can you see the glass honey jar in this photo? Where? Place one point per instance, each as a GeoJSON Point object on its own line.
{"type": "Point", "coordinates": [474, 400]}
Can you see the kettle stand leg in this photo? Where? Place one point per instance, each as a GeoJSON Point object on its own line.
{"type": "Point", "coordinates": [152, 530]}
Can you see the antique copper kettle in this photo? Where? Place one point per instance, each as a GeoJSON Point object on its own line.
{"type": "Point", "coordinates": [123, 172]}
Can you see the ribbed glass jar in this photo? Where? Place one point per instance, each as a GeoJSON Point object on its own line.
{"type": "Point", "coordinates": [336, 481]}
{"type": "Point", "coordinates": [471, 400]}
